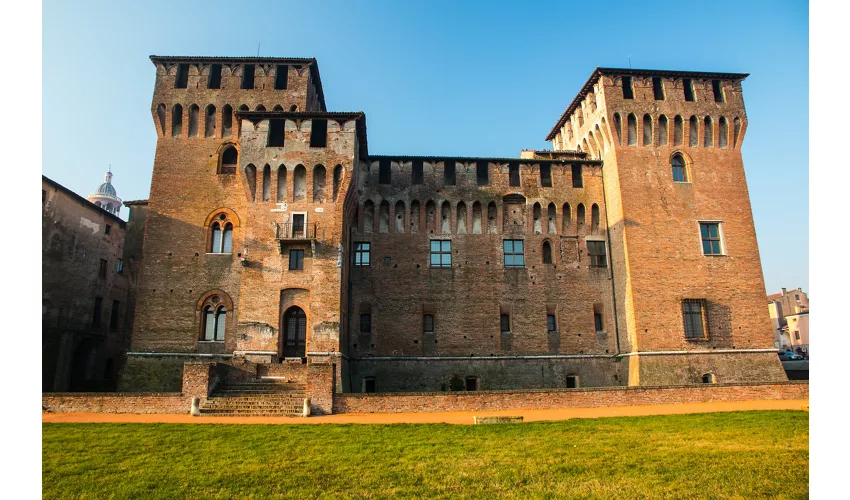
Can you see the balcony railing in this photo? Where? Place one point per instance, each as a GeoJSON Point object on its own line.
{"type": "Point", "coordinates": [293, 232]}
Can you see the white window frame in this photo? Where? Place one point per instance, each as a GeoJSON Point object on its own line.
{"type": "Point", "coordinates": [721, 233]}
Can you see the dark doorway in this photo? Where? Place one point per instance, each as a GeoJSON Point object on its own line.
{"type": "Point", "coordinates": [294, 333]}
{"type": "Point", "coordinates": [82, 367]}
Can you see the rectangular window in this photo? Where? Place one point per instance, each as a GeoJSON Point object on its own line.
{"type": "Point", "coordinates": [428, 323]}
{"type": "Point", "coordinates": [214, 81]}
{"type": "Point", "coordinates": [718, 91]}
{"type": "Point", "coordinates": [248, 77]}
{"type": "Point", "coordinates": [369, 384]}
{"type": "Point", "coordinates": [418, 175]}
{"type": "Point", "coordinates": [471, 383]}
{"type": "Point", "coordinates": [361, 254]}
{"type": "Point", "coordinates": [298, 225]}
{"type": "Point", "coordinates": [577, 182]}
{"type": "Point", "coordinates": [514, 253]}
{"type": "Point", "coordinates": [181, 81]}
{"type": "Point", "coordinates": [596, 252]}
{"type": "Point", "coordinates": [385, 172]}
{"type": "Point", "coordinates": [319, 134]}
{"type": "Point", "coordinates": [505, 322]}
{"type": "Point", "coordinates": [628, 91]}
{"type": "Point", "coordinates": [441, 253]}
{"type": "Point", "coordinates": [693, 314]}
{"type": "Point", "coordinates": [119, 266]}
{"type": "Point", "coordinates": [678, 172]}
{"type": "Point", "coordinates": [550, 323]}
{"type": "Point", "coordinates": [597, 322]}
{"type": "Point", "coordinates": [482, 174]}
{"type": "Point", "coordinates": [689, 89]}
{"type": "Point", "coordinates": [276, 133]}
{"type": "Point", "coordinates": [113, 315]}
{"type": "Point", "coordinates": [545, 175]}
{"type": "Point", "coordinates": [658, 88]}
{"type": "Point", "coordinates": [101, 271]}
{"type": "Point", "coordinates": [296, 260]}
{"type": "Point", "coordinates": [107, 229]}
{"type": "Point", "coordinates": [365, 323]}
{"type": "Point", "coordinates": [796, 335]}
{"type": "Point", "coordinates": [98, 303]}
{"type": "Point", "coordinates": [513, 174]}
{"type": "Point", "coordinates": [449, 172]}
{"type": "Point", "coordinates": [710, 234]}
{"type": "Point", "coordinates": [281, 77]}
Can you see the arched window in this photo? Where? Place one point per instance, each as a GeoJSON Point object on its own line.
{"type": "Point", "coordinates": [594, 218]}
{"type": "Point", "coordinates": [680, 171]}
{"type": "Point", "coordinates": [618, 128]}
{"type": "Point", "coordinates": [251, 178]}
{"type": "Point", "coordinates": [294, 333]}
{"type": "Point", "coordinates": [337, 180]}
{"type": "Point", "coordinates": [277, 108]}
{"type": "Point", "coordinates": [693, 132]}
{"type": "Point", "coordinates": [538, 229]}
{"type": "Point", "coordinates": [209, 122]}
{"type": "Point", "coordinates": [176, 120]}
{"type": "Point", "coordinates": [267, 183]}
{"type": "Point", "coordinates": [214, 321]}
{"type": "Point", "coordinates": [226, 121]}
{"type": "Point", "coordinates": [368, 216]}
{"type": "Point", "coordinates": [430, 217]}
{"type": "Point", "coordinates": [228, 160]}
{"type": "Point", "coordinates": [415, 214]}
{"type": "Point", "coordinates": [476, 217]}
{"type": "Point", "coordinates": [399, 217]}
{"type": "Point", "coordinates": [678, 130]}
{"type": "Point", "coordinates": [632, 129]}
{"type": "Point", "coordinates": [492, 223]}
{"type": "Point", "coordinates": [299, 183]}
{"type": "Point", "coordinates": [662, 130]}
{"type": "Point", "coordinates": [580, 217]}
{"type": "Point", "coordinates": [221, 234]}
{"type": "Point", "coordinates": [194, 111]}
{"type": "Point", "coordinates": [243, 107]}
{"type": "Point", "coordinates": [547, 253]}
{"type": "Point", "coordinates": [647, 130]}
{"type": "Point", "coordinates": [319, 183]}
{"type": "Point", "coordinates": [736, 124]}
{"type": "Point", "coordinates": [260, 107]}
{"type": "Point", "coordinates": [446, 218]}
{"type": "Point", "coordinates": [723, 133]}
{"type": "Point", "coordinates": [461, 218]}
{"type": "Point", "coordinates": [709, 133]}
{"type": "Point", "coordinates": [293, 108]}
{"type": "Point", "coordinates": [384, 217]}
{"type": "Point", "coordinates": [281, 184]}
{"type": "Point", "coordinates": [566, 220]}
{"type": "Point", "coordinates": [160, 114]}
{"type": "Point", "coordinates": [552, 217]}
{"type": "Point", "coordinates": [709, 378]}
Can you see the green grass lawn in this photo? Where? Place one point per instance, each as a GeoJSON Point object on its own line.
{"type": "Point", "coordinates": [742, 454]}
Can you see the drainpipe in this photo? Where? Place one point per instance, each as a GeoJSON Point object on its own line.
{"type": "Point", "coordinates": [611, 261]}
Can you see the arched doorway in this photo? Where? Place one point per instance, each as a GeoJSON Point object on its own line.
{"type": "Point", "coordinates": [294, 333]}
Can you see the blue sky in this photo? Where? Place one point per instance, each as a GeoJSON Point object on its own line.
{"type": "Point", "coordinates": [453, 78]}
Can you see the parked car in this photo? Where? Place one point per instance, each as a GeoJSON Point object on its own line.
{"type": "Point", "coordinates": [795, 357]}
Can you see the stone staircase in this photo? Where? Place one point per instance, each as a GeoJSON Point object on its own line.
{"type": "Point", "coordinates": [256, 398]}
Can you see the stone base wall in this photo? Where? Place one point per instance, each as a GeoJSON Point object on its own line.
{"type": "Point", "coordinates": [727, 368]}
{"type": "Point", "coordinates": [158, 373]}
{"type": "Point", "coordinates": [564, 398]}
{"type": "Point", "coordinates": [116, 402]}
{"type": "Point", "coordinates": [437, 374]}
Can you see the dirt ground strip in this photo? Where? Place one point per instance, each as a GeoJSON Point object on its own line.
{"type": "Point", "coordinates": [461, 417]}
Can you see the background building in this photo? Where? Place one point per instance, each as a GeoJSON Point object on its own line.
{"type": "Point", "coordinates": [84, 291]}
{"type": "Point", "coordinates": [275, 241]}
{"type": "Point", "coordinates": [786, 309]}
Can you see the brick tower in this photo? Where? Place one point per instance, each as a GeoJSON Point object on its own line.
{"type": "Point", "coordinates": [690, 297]}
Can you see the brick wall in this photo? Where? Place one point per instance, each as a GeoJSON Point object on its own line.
{"type": "Point", "coordinates": [117, 402]}
{"type": "Point", "coordinates": [564, 398]}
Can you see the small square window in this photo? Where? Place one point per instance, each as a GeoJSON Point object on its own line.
{"type": "Point", "coordinates": [369, 384]}
{"type": "Point", "coordinates": [428, 323]}
{"type": "Point", "coordinates": [710, 234]}
{"type": "Point", "coordinates": [119, 266]}
{"type": "Point", "coordinates": [596, 252]}
{"type": "Point", "coordinates": [550, 323]}
{"type": "Point", "coordinates": [514, 253]}
{"type": "Point", "coordinates": [441, 253]}
{"type": "Point", "coordinates": [296, 260]}
{"type": "Point", "coordinates": [107, 229]}
{"type": "Point", "coordinates": [361, 254]}
{"type": "Point", "coordinates": [505, 323]}
{"type": "Point", "coordinates": [365, 323]}
{"type": "Point", "coordinates": [597, 322]}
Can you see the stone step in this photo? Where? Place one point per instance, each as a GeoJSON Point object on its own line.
{"type": "Point", "coordinates": [257, 394]}
{"type": "Point", "coordinates": [257, 397]}
{"type": "Point", "coordinates": [251, 413]}
{"type": "Point", "coordinates": [249, 405]}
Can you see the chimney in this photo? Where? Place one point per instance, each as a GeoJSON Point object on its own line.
{"type": "Point", "coordinates": [783, 291]}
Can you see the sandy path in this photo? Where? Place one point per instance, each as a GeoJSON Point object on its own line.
{"type": "Point", "coordinates": [462, 417]}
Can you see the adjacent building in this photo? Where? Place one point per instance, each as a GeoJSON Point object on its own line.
{"type": "Point", "coordinates": [84, 289]}
{"type": "Point", "coordinates": [275, 239]}
{"type": "Point", "coordinates": [789, 316]}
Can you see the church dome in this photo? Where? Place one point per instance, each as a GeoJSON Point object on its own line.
{"type": "Point", "coordinates": [105, 196]}
{"type": "Point", "coordinates": [106, 189]}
